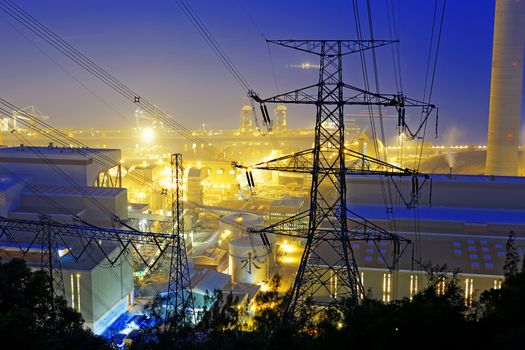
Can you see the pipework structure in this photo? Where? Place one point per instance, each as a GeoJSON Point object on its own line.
{"type": "Point", "coordinates": [506, 88]}
{"type": "Point", "coordinates": [328, 226]}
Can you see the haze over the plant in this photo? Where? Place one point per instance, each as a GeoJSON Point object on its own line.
{"type": "Point", "coordinates": [153, 48]}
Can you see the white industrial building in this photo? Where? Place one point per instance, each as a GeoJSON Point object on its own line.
{"type": "Point", "coordinates": [31, 186]}
{"type": "Point", "coordinates": [465, 226]}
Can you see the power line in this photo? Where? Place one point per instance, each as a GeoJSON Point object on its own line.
{"type": "Point", "coordinates": [39, 29]}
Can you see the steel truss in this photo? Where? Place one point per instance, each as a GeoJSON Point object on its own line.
{"type": "Point", "coordinates": [179, 308]}
{"type": "Point", "coordinates": [328, 226]}
{"type": "Point", "coordinates": [48, 236]}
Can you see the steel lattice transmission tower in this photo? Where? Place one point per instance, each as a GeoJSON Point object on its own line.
{"type": "Point", "coordinates": [328, 270]}
{"type": "Point", "coordinates": [50, 262]}
{"type": "Point", "coordinates": [179, 306]}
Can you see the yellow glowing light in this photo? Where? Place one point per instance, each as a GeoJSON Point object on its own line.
{"type": "Point", "coordinates": [148, 134]}
{"type": "Point", "coordinates": [287, 248]}
{"type": "Point", "coordinates": [264, 287]}
{"type": "Point", "coordinates": [289, 260]}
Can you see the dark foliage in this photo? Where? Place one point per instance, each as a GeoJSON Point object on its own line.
{"type": "Point", "coordinates": [27, 320]}
{"type": "Point", "coordinates": [436, 318]}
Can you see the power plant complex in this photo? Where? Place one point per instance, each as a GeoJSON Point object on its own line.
{"type": "Point", "coordinates": [123, 217]}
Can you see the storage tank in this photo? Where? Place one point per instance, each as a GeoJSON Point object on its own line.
{"type": "Point", "coordinates": [233, 226]}
{"type": "Point", "coordinates": [250, 260]}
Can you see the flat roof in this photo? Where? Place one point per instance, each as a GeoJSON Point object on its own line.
{"type": "Point", "coordinates": [438, 213]}
{"type": "Point", "coordinates": [470, 253]}
{"type": "Point", "coordinates": [7, 181]}
{"type": "Point", "coordinates": [50, 190]}
{"type": "Point", "coordinates": [53, 150]}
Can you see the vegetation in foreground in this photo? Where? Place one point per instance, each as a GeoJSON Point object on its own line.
{"type": "Point", "coordinates": [434, 318]}
{"type": "Point", "coordinates": [27, 320]}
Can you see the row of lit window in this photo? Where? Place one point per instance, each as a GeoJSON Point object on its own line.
{"type": "Point", "coordinates": [414, 285]}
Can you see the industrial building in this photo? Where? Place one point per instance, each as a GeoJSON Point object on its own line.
{"type": "Point", "coordinates": [31, 186]}
{"type": "Point", "coordinates": [462, 221]}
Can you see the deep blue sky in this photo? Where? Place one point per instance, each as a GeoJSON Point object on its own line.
{"type": "Point", "coordinates": [152, 47]}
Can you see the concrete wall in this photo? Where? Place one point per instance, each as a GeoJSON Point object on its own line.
{"type": "Point", "coordinates": [117, 204]}
{"type": "Point", "coordinates": [82, 279]}
{"type": "Point", "coordinates": [110, 285]}
{"type": "Point", "coordinates": [505, 88]}
{"type": "Point", "coordinates": [104, 291]}
{"type": "Point", "coordinates": [449, 191]}
{"type": "Point", "coordinates": [10, 197]}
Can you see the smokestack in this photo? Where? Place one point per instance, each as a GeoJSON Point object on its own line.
{"type": "Point", "coordinates": [505, 88]}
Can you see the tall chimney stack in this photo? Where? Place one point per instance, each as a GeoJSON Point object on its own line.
{"type": "Point", "coordinates": [505, 88]}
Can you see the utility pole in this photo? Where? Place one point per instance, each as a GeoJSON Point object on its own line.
{"type": "Point", "coordinates": [179, 303]}
{"type": "Point", "coordinates": [328, 271]}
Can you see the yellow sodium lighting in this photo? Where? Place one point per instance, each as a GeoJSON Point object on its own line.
{"type": "Point", "coordinates": [148, 134]}
{"type": "Point", "coordinates": [289, 260]}
{"type": "Point", "coordinates": [287, 248]}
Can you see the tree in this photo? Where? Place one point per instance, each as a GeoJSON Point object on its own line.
{"type": "Point", "coordinates": [499, 313]}
{"type": "Point", "coordinates": [434, 317]}
{"type": "Point", "coordinates": [26, 313]}
{"type": "Point", "coordinates": [512, 259]}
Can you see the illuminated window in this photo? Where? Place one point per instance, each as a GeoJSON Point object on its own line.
{"type": "Point", "coordinates": [413, 286]}
{"type": "Point", "coordinates": [361, 294]}
{"type": "Point", "coordinates": [333, 285]}
{"type": "Point", "coordinates": [469, 291]}
{"type": "Point", "coordinates": [457, 251]}
{"type": "Point", "coordinates": [471, 249]}
{"type": "Point", "coordinates": [485, 249]}
{"type": "Point", "coordinates": [78, 292]}
{"type": "Point", "coordinates": [489, 265]}
{"type": "Point", "coordinates": [386, 287]}
{"type": "Point", "coordinates": [72, 292]}
{"type": "Point", "coordinates": [441, 286]}
{"type": "Point", "coordinates": [497, 284]}
{"type": "Point", "coordinates": [456, 244]}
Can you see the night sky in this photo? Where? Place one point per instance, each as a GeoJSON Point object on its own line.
{"type": "Point", "coordinates": [153, 48]}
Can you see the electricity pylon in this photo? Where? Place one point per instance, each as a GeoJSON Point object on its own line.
{"type": "Point", "coordinates": [49, 235]}
{"type": "Point", "coordinates": [328, 270]}
{"type": "Point", "coordinates": [179, 306]}
{"type": "Point", "coordinates": [50, 261]}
